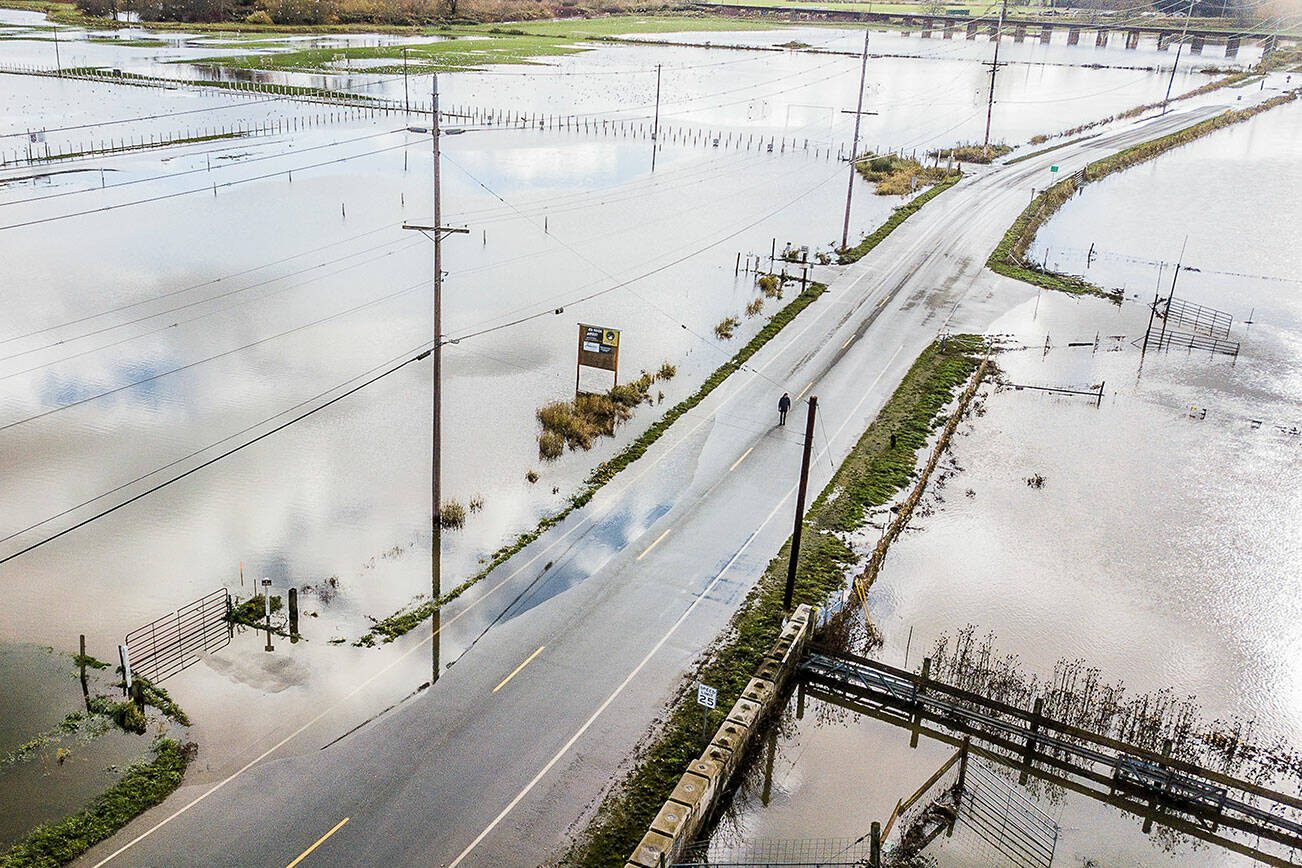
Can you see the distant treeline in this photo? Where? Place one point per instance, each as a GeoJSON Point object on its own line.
{"type": "Point", "coordinates": [394, 12]}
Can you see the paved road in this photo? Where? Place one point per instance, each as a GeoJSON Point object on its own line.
{"type": "Point", "coordinates": [504, 757]}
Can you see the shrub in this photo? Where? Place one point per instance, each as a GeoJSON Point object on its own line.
{"type": "Point", "coordinates": [724, 330]}
{"type": "Point", "coordinates": [476, 503]}
{"type": "Point", "coordinates": [453, 514]}
{"type": "Point", "coordinates": [755, 308]}
{"type": "Point", "coordinates": [667, 371]}
{"type": "Point", "coordinates": [531, 476]}
{"type": "Point", "coordinates": [770, 285]}
{"type": "Point", "coordinates": [971, 153]}
{"type": "Point", "coordinates": [259, 17]}
{"type": "Point", "coordinates": [550, 447]}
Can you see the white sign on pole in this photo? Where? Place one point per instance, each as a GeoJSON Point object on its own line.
{"type": "Point", "coordinates": [707, 696]}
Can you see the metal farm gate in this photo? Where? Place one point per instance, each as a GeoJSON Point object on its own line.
{"type": "Point", "coordinates": [164, 647]}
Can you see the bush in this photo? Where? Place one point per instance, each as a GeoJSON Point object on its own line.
{"type": "Point", "coordinates": [531, 476]}
{"type": "Point", "coordinates": [550, 447]}
{"type": "Point", "coordinates": [755, 308]}
{"type": "Point", "coordinates": [259, 17]}
{"type": "Point", "coordinates": [453, 514]}
{"type": "Point", "coordinates": [724, 330]}
{"type": "Point", "coordinates": [770, 285]}
{"type": "Point", "coordinates": [667, 371]}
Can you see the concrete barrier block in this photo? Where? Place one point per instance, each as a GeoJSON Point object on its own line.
{"type": "Point", "coordinates": [745, 712]}
{"type": "Point", "coordinates": [722, 755]}
{"type": "Point", "coordinates": [671, 818]}
{"type": "Point", "coordinates": [768, 670]}
{"type": "Point", "coordinates": [652, 846]}
{"type": "Point", "coordinates": [758, 690]}
{"type": "Point", "coordinates": [692, 787]}
{"type": "Point", "coordinates": [707, 769]}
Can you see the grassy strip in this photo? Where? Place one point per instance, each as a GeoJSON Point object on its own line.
{"type": "Point", "coordinates": [898, 216]}
{"type": "Point", "coordinates": [873, 472]}
{"type": "Point", "coordinates": [144, 785]}
{"type": "Point", "coordinates": [403, 622]}
{"type": "Point", "coordinates": [1008, 257]}
{"type": "Point", "coordinates": [1015, 160]}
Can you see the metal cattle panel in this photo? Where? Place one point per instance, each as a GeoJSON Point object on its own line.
{"type": "Point", "coordinates": [164, 647]}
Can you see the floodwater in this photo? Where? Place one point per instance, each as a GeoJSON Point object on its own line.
{"type": "Point", "coordinates": [66, 768]}
{"type": "Point", "coordinates": [1164, 546]}
{"type": "Point", "coordinates": [186, 299]}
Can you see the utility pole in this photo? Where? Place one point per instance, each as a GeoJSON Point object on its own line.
{"type": "Point", "coordinates": [655, 124]}
{"type": "Point", "coordinates": [854, 147]}
{"type": "Point", "coordinates": [1178, 49]}
{"type": "Point", "coordinates": [436, 232]}
{"type": "Point", "coordinates": [800, 505]}
{"type": "Point", "coordinates": [994, 70]}
{"type": "Point", "coordinates": [406, 103]}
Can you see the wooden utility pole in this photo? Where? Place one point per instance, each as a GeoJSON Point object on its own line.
{"type": "Point", "coordinates": [406, 102]}
{"type": "Point", "coordinates": [655, 124]}
{"type": "Point", "coordinates": [1178, 49]}
{"type": "Point", "coordinates": [854, 147]}
{"type": "Point", "coordinates": [994, 70]}
{"type": "Point", "coordinates": [800, 505]}
{"type": "Point", "coordinates": [436, 233]}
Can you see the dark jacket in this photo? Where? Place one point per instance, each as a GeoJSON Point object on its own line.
{"type": "Point", "coordinates": [784, 404]}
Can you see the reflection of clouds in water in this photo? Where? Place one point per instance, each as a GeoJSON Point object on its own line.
{"type": "Point", "coordinates": [270, 673]}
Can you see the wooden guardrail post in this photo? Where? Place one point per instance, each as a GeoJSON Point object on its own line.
{"type": "Point", "coordinates": [1034, 726]}
{"type": "Point", "coordinates": [875, 846]}
{"type": "Point", "coordinates": [923, 678]}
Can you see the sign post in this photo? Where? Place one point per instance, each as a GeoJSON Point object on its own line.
{"type": "Point", "coordinates": [707, 697]}
{"type": "Point", "coordinates": [598, 348]}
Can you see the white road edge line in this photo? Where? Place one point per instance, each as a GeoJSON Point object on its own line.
{"type": "Point", "coordinates": [560, 754]}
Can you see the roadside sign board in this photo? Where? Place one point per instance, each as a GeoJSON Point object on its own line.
{"type": "Point", "coordinates": [599, 347]}
{"type": "Point", "coordinates": [1053, 168]}
{"type": "Point", "coordinates": [707, 696]}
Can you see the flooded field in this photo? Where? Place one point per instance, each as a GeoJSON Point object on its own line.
{"type": "Point", "coordinates": [165, 305]}
{"type": "Point", "coordinates": [1174, 531]}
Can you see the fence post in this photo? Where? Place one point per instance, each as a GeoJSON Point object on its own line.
{"type": "Point", "coordinates": [293, 614]}
{"type": "Point", "coordinates": [125, 656]}
{"type": "Point", "coordinates": [921, 688]}
{"type": "Point", "coordinates": [1029, 756]}
{"type": "Point", "coordinates": [875, 846]}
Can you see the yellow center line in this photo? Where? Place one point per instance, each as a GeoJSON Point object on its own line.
{"type": "Point", "coordinates": [319, 842]}
{"type": "Point", "coordinates": [741, 459]}
{"type": "Point", "coordinates": [516, 670]}
{"type": "Point", "coordinates": [646, 551]}
{"type": "Point", "coordinates": [804, 390]}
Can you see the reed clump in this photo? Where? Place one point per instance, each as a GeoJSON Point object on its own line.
{"type": "Point", "coordinates": [579, 422]}
{"type": "Point", "coordinates": [900, 176]}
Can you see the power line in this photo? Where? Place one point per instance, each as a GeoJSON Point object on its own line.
{"type": "Point", "coordinates": [205, 360]}
{"type": "Point", "coordinates": [422, 352]}
{"type": "Point", "coordinates": [204, 315]}
{"type": "Point", "coordinates": [205, 189]}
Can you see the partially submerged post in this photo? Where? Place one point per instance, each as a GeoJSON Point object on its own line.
{"type": "Point", "coordinates": [800, 505]}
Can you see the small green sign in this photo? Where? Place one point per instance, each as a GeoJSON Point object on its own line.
{"type": "Point", "coordinates": [1053, 168]}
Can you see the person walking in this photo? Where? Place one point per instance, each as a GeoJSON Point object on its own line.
{"type": "Point", "coordinates": [784, 404]}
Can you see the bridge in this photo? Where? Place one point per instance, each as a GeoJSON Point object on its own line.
{"type": "Point", "coordinates": [952, 22]}
{"type": "Point", "coordinates": [1154, 785]}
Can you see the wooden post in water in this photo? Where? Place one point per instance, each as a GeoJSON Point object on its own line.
{"type": "Point", "coordinates": [923, 678]}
